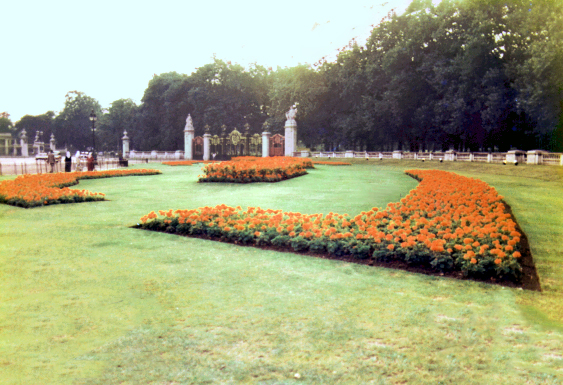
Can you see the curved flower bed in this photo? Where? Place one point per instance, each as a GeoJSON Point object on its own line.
{"type": "Point", "coordinates": [253, 169]}
{"type": "Point", "coordinates": [449, 222]}
{"type": "Point", "coordinates": [48, 189]}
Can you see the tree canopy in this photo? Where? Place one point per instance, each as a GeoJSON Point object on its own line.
{"type": "Point", "coordinates": [468, 75]}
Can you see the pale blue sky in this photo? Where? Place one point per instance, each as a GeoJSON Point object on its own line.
{"type": "Point", "coordinates": [111, 49]}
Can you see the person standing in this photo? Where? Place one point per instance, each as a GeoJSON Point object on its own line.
{"type": "Point", "coordinates": [51, 160]}
{"type": "Point", "coordinates": [68, 161]}
{"type": "Point", "coordinates": [90, 163]}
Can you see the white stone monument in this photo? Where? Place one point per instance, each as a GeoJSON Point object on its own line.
{"type": "Point", "coordinates": [290, 132]}
{"type": "Point", "coordinates": [188, 138]}
{"type": "Point", "coordinates": [125, 144]}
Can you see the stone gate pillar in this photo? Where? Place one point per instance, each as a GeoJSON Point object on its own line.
{"type": "Point", "coordinates": [265, 144]}
{"type": "Point", "coordinates": [206, 137]}
{"type": "Point", "coordinates": [290, 132]}
{"type": "Point", "coordinates": [188, 138]}
{"type": "Point", "coordinates": [23, 143]}
{"type": "Point", "coordinates": [125, 144]}
{"type": "Point", "coordinates": [52, 142]}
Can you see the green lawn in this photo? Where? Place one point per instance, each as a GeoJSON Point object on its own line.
{"type": "Point", "coordinates": [86, 299]}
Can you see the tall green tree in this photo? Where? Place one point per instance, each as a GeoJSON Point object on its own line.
{"type": "Point", "coordinates": [6, 125]}
{"type": "Point", "coordinates": [532, 42]}
{"type": "Point", "coordinates": [227, 94]}
{"type": "Point", "coordinates": [32, 124]}
{"type": "Point", "coordinates": [72, 127]}
{"type": "Point", "coordinates": [121, 116]}
{"type": "Point", "coordinates": [160, 113]}
{"type": "Point", "coordinates": [301, 86]}
{"type": "Point", "coordinates": [217, 94]}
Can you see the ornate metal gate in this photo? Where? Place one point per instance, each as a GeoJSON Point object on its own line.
{"type": "Point", "coordinates": [197, 149]}
{"type": "Point", "coordinates": [235, 143]}
{"type": "Point", "coordinates": [277, 143]}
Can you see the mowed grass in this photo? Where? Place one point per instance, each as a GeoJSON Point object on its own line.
{"type": "Point", "coordinates": [86, 299]}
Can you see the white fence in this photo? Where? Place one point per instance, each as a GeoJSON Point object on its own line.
{"type": "Point", "coordinates": [530, 157]}
{"type": "Point", "coordinates": [157, 155]}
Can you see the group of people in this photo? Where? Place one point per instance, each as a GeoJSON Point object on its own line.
{"type": "Point", "coordinates": [52, 160]}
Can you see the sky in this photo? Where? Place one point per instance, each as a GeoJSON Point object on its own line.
{"type": "Point", "coordinates": [111, 49]}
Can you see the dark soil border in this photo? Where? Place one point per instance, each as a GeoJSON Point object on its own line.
{"type": "Point", "coordinates": [530, 279]}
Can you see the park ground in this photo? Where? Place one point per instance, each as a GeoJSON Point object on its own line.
{"type": "Point", "coordinates": [86, 299]}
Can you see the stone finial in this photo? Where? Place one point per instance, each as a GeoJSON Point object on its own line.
{"type": "Point", "coordinates": [23, 134]}
{"type": "Point", "coordinates": [125, 137]}
{"type": "Point", "coordinates": [207, 128]}
{"type": "Point", "coordinates": [246, 129]}
{"type": "Point", "coordinates": [189, 123]}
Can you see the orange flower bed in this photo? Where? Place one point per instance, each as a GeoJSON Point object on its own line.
{"type": "Point", "coordinates": [449, 222]}
{"type": "Point", "coordinates": [47, 189]}
{"type": "Point", "coordinates": [186, 162]}
{"type": "Point", "coordinates": [254, 169]}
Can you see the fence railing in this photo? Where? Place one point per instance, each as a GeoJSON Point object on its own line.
{"type": "Point", "coordinates": [530, 157]}
{"type": "Point", "coordinates": [19, 166]}
{"type": "Point", "coordinates": [553, 158]}
{"type": "Point", "coordinates": [157, 155]}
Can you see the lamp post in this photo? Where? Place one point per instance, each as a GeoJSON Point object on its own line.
{"type": "Point", "coordinates": [93, 119]}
